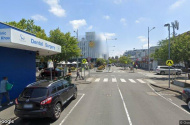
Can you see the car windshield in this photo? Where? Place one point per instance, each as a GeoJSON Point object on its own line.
{"type": "Point", "coordinates": [34, 92]}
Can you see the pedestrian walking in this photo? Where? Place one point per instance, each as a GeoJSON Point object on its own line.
{"type": "Point", "coordinates": [69, 70]}
{"type": "Point", "coordinates": [5, 86]}
{"type": "Point", "coordinates": [136, 66]}
{"type": "Point", "coordinates": [78, 75]}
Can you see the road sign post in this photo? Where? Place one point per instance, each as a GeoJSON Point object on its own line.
{"type": "Point", "coordinates": [84, 62]}
{"type": "Point", "coordinates": [169, 63]}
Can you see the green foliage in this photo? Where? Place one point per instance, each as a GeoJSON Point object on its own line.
{"type": "Point", "coordinates": [100, 61]}
{"type": "Point", "coordinates": [179, 49]}
{"type": "Point", "coordinates": [73, 68]}
{"type": "Point", "coordinates": [69, 47]}
{"type": "Point", "coordinates": [125, 60]}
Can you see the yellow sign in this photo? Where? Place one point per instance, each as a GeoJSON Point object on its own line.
{"type": "Point", "coordinates": [91, 44]}
{"type": "Point", "coordinates": [125, 62]}
{"type": "Point", "coordinates": [169, 62]}
{"type": "Point", "coordinates": [84, 61]}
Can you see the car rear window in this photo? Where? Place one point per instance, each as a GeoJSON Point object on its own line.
{"type": "Point", "coordinates": [34, 92]}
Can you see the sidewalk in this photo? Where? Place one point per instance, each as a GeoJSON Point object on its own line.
{"type": "Point", "coordinates": [164, 81]}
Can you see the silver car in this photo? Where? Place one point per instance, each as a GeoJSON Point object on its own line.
{"type": "Point", "coordinates": [165, 70]}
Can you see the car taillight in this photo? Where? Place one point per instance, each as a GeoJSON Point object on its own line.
{"type": "Point", "coordinates": [183, 91]}
{"type": "Point", "coordinates": [46, 101]}
{"type": "Point", "coordinates": [16, 101]}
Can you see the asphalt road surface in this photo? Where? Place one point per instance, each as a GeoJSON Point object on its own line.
{"type": "Point", "coordinates": [119, 98]}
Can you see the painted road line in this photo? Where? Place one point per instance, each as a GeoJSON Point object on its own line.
{"type": "Point", "coordinates": [169, 100]}
{"type": "Point", "coordinates": [122, 71]}
{"type": "Point", "coordinates": [125, 107]}
{"type": "Point", "coordinates": [131, 80]}
{"type": "Point", "coordinates": [97, 80]}
{"type": "Point", "coordinates": [71, 110]}
{"type": "Point", "coordinates": [89, 79]}
{"type": "Point", "coordinates": [141, 81]}
{"type": "Point", "coordinates": [150, 81]}
{"type": "Point", "coordinates": [118, 71]}
{"type": "Point", "coordinates": [122, 80]}
{"type": "Point", "coordinates": [114, 80]}
{"type": "Point", "coordinates": [113, 71]}
{"type": "Point", "coordinates": [105, 80]}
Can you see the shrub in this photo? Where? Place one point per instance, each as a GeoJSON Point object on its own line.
{"type": "Point", "coordinates": [101, 67]}
{"type": "Point", "coordinates": [73, 68]}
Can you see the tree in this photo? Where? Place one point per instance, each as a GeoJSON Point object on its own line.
{"type": "Point", "coordinates": [125, 60]}
{"type": "Point", "coordinates": [29, 26]}
{"type": "Point", "coordinates": [179, 49]}
{"type": "Point", "coordinates": [69, 47]}
{"type": "Point", "coordinates": [100, 61]}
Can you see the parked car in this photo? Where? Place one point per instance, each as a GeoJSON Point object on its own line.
{"type": "Point", "coordinates": [186, 96]}
{"type": "Point", "coordinates": [44, 99]}
{"type": "Point", "coordinates": [47, 72]}
{"type": "Point", "coordinates": [165, 70]}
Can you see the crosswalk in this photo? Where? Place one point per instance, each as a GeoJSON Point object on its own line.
{"type": "Point", "coordinates": [122, 80]}
{"type": "Point", "coordinates": [120, 71]}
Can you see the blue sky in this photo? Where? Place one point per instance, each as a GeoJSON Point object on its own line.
{"type": "Point", "coordinates": [126, 20]}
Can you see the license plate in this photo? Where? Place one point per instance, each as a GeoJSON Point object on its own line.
{"type": "Point", "coordinates": [28, 106]}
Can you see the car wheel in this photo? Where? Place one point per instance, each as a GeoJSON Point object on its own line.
{"type": "Point", "coordinates": [188, 104]}
{"type": "Point", "coordinates": [75, 95]}
{"type": "Point", "coordinates": [56, 111]}
{"type": "Point", "coordinates": [162, 73]}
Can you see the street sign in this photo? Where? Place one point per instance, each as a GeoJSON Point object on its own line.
{"type": "Point", "coordinates": [50, 63]}
{"type": "Point", "coordinates": [84, 61]}
{"type": "Point", "coordinates": [169, 62]}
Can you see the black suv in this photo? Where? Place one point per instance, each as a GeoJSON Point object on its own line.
{"type": "Point", "coordinates": [44, 99]}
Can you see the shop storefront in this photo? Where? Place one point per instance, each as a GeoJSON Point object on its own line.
{"type": "Point", "coordinates": [18, 51]}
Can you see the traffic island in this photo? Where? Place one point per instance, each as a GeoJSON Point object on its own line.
{"type": "Point", "coordinates": [99, 70]}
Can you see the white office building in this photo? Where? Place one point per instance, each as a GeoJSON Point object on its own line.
{"type": "Point", "coordinates": [91, 46]}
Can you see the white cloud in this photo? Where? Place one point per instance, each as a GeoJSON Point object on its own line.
{"type": "Point", "coordinates": [38, 17]}
{"type": "Point", "coordinates": [76, 24]}
{"type": "Point", "coordinates": [177, 4]}
{"type": "Point", "coordinates": [123, 21]}
{"type": "Point", "coordinates": [56, 8]}
{"type": "Point", "coordinates": [118, 1]}
{"type": "Point", "coordinates": [139, 20]}
{"type": "Point", "coordinates": [103, 36]}
{"type": "Point", "coordinates": [90, 27]}
{"type": "Point", "coordinates": [106, 17]}
{"type": "Point", "coordinates": [142, 38]}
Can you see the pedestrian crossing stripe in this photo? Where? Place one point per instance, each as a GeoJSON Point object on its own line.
{"type": "Point", "coordinates": [97, 80]}
{"type": "Point", "coordinates": [105, 80]}
{"type": "Point", "coordinates": [140, 80]}
{"type": "Point", "coordinates": [114, 80]}
{"type": "Point", "coordinates": [89, 79]}
{"type": "Point", "coordinates": [122, 80]}
{"type": "Point", "coordinates": [131, 80]}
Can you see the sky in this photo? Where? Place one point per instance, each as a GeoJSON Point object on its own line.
{"type": "Point", "coordinates": [126, 20]}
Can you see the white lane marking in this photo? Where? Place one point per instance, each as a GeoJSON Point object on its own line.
{"type": "Point", "coordinates": [122, 71]}
{"type": "Point", "coordinates": [122, 80]}
{"type": "Point", "coordinates": [126, 111]}
{"type": "Point", "coordinates": [71, 110]}
{"type": "Point", "coordinates": [150, 81]}
{"type": "Point", "coordinates": [97, 80]}
{"type": "Point", "coordinates": [141, 81]}
{"type": "Point", "coordinates": [131, 80]}
{"type": "Point", "coordinates": [169, 100]}
{"type": "Point", "coordinates": [105, 80]}
{"type": "Point", "coordinates": [118, 71]}
{"type": "Point", "coordinates": [89, 79]}
{"type": "Point", "coordinates": [113, 71]}
{"type": "Point", "coordinates": [114, 80]}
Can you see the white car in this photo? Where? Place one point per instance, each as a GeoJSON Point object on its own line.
{"type": "Point", "coordinates": [165, 70]}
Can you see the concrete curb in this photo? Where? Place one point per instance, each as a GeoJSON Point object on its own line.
{"type": "Point", "coordinates": [166, 88]}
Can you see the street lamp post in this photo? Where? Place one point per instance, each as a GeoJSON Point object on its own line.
{"type": "Point", "coordinates": [149, 49]}
{"type": "Point", "coordinates": [77, 41]}
{"type": "Point", "coordinates": [168, 25]}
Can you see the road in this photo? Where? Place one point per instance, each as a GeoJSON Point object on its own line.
{"type": "Point", "coordinates": [119, 98]}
